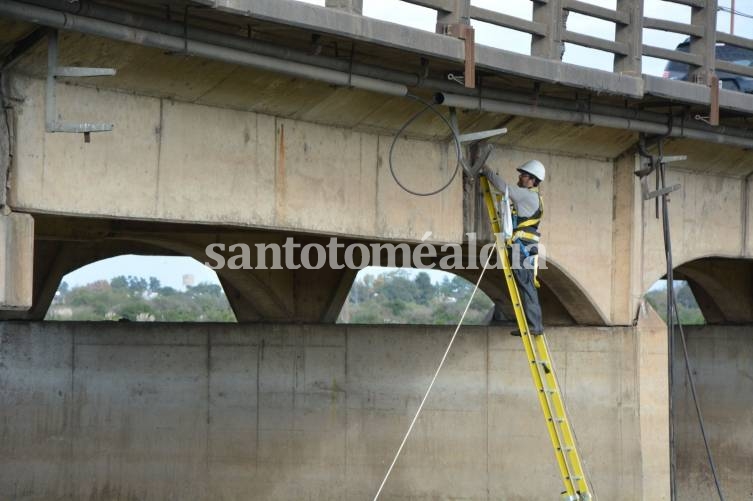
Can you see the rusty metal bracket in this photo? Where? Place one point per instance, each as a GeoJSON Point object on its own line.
{"type": "Point", "coordinates": [713, 118]}
{"type": "Point", "coordinates": [656, 163]}
{"type": "Point", "coordinates": [466, 33]}
{"type": "Point", "coordinates": [52, 121]}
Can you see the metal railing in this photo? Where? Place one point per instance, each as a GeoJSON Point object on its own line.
{"type": "Point", "coordinates": [549, 31]}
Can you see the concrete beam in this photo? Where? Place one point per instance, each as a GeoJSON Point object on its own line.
{"type": "Point", "coordinates": [349, 6]}
{"type": "Point", "coordinates": [16, 261]}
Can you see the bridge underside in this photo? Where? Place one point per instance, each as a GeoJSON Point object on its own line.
{"type": "Point", "coordinates": [62, 245]}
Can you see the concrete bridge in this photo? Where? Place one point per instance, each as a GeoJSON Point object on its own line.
{"type": "Point", "coordinates": [249, 121]}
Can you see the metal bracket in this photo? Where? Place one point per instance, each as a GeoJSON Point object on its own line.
{"type": "Point", "coordinates": [480, 154]}
{"type": "Point", "coordinates": [52, 121]}
{"type": "Point", "coordinates": [653, 161]}
{"type": "Point", "coordinates": [662, 162]}
{"type": "Point", "coordinates": [480, 149]}
{"type": "Point", "coordinates": [458, 79]}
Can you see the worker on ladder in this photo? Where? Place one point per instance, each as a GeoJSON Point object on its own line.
{"type": "Point", "coordinates": [527, 210]}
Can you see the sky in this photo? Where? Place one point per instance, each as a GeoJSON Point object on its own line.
{"type": "Point", "coordinates": [170, 270]}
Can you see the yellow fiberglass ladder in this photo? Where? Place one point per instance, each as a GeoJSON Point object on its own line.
{"type": "Point", "coordinates": [542, 371]}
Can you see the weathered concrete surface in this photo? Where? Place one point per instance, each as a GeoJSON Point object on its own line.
{"type": "Point", "coordinates": [702, 222]}
{"type": "Point", "coordinates": [178, 161]}
{"type": "Point", "coordinates": [721, 361]}
{"type": "Point", "coordinates": [16, 261]}
{"type": "Point", "coordinates": [183, 162]}
{"type": "Point", "coordinates": [113, 411]}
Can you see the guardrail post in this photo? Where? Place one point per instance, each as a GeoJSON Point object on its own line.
{"type": "Point", "coordinates": [460, 14]}
{"type": "Point", "coordinates": [457, 23]}
{"type": "Point", "coordinates": [550, 14]}
{"type": "Point", "coordinates": [632, 35]}
{"type": "Point", "coordinates": [351, 6]}
{"type": "Point", "coordinates": [705, 46]}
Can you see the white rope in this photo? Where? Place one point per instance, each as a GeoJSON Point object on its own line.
{"type": "Point", "coordinates": [426, 395]}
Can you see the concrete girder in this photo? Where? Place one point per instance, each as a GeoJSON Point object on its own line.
{"type": "Point", "coordinates": [282, 295]}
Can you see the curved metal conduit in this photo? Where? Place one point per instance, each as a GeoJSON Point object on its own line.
{"type": "Point", "coordinates": [120, 25]}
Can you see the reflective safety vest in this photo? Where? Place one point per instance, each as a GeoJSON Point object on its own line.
{"type": "Point", "coordinates": [526, 229]}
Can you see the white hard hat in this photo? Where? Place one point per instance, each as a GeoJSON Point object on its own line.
{"type": "Point", "coordinates": [534, 168]}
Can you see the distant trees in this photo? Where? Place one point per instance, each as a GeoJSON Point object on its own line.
{"type": "Point", "coordinates": [137, 299]}
{"type": "Point", "coordinates": [397, 298]}
{"type": "Point", "coordinates": [394, 297]}
{"type": "Point", "coordinates": [687, 307]}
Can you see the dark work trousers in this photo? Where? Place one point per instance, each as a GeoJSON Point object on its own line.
{"type": "Point", "coordinates": [530, 297]}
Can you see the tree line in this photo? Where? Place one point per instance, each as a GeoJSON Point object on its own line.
{"type": "Point", "coordinates": [399, 298]}
{"type": "Point", "coordinates": [137, 299]}
{"type": "Point", "coordinates": [394, 297]}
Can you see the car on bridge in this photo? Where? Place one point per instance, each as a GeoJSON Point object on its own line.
{"type": "Point", "coordinates": [736, 55]}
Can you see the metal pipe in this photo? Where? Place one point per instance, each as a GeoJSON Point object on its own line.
{"type": "Point", "coordinates": [118, 16]}
{"type": "Point", "coordinates": [135, 28]}
{"type": "Point", "coordinates": [511, 108]}
{"type": "Point", "coordinates": [97, 27]}
{"type": "Point", "coordinates": [182, 30]}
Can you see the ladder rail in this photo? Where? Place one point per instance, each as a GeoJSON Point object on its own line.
{"type": "Point", "coordinates": [550, 396]}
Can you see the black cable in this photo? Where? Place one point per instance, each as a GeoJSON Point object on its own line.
{"type": "Point", "coordinates": [672, 316]}
{"type": "Point", "coordinates": [458, 152]}
{"type": "Point", "coordinates": [691, 379]}
{"type": "Point", "coordinates": [735, 12]}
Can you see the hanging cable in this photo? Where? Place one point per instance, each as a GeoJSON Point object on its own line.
{"type": "Point", "coordinates": [735, 12]}
{"type": "Point", "coordinates": [431, 384]}
{"type": "Point", "coordinates": [673, 315]}
{"type": "Point", "coordinates": [455, 136]}
{"type": "Point", "coordinates": [691, 379]}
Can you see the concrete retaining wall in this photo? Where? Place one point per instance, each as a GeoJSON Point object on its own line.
{"type": "Point", "coordinates": [722, 361]}
{"type": "Point", "coordinates": [157, 412]}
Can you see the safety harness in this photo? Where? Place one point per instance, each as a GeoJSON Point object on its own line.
{"type": "Point", "coordinates": [526, 234]}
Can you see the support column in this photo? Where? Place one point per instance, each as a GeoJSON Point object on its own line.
{"type": "Point", "coordinates": [550, 14]}
{"type": "Point", "coordinates": [460, 14]}
{"type": "Point", "coordinates": [627, 255]}
{"type": "Point", "coordinates": [631, 35]}
{"type": "Point", "coordinates": [653, 408]}
{"type": "Point", "coordinates": [705, 46]}
{"type": "Point", "coordinates": [16, 261]}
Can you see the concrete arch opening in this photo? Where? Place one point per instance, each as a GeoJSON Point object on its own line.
{"type": "Point", "coordinates": [722, 286]}
{"type": "Point", "coordinates": [688, 311]}
{"type": "Point", "coordinates": [141, 289]}
{"type": "Point", "coordinates": [382, 295]}
{"type": "Point", "coordinates": [563, 300]}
